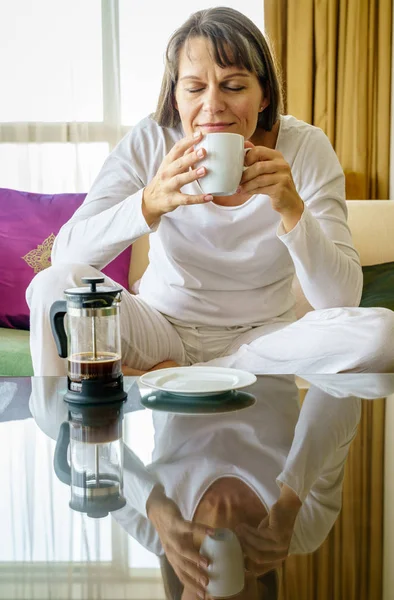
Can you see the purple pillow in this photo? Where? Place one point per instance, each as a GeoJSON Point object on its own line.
{"type": "Point", "coordinates": [28, 226]}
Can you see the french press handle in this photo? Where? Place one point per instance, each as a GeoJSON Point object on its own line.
{"type": "Point", "coordinates": [56, 316]}
{"type": "Point", "coordinates": [60, 462]}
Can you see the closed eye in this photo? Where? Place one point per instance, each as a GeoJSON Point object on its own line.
{"type": "Point", "coordinates": [227, 87]}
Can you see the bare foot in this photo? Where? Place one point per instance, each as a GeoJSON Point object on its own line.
{"type": "Point", "coordinates": [167, 364]}
{"type": "Point", "coordinates": [163, 365]}
{"type": "Point", "coordinates": [128, 371]}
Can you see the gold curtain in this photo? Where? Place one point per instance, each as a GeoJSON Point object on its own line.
{"type": "Point", "coordinates": [348, 566]}
{"type": "Point", "coordinates": [336, 65]}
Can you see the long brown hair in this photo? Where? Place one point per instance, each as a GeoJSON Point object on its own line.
{"type": "Point", "coordinates": [236, 41]}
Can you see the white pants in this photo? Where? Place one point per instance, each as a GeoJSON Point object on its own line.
{"type": "Point", "coordinates": [324, 341]}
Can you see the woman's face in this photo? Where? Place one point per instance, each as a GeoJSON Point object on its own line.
{"type": "Point", "coordinates": [227, 502]}
{"type": "Point", "coordinates": [214, 99]}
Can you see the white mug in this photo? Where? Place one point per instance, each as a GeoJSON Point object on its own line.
{"type": "Point", "coordinates": [226, 569]}
{"type": "Point", "coordinates": [224, 163]}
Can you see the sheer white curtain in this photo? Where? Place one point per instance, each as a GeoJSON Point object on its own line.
{"type": "Point", "coordinates": [47, 550]}
{"type": "Point", "coordinates": [75, 77]}
{"type": "Point", "coordinates": [58, 121]}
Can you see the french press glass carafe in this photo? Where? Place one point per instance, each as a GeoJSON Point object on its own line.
{"type": "Point", "coordinates": [92, 343]}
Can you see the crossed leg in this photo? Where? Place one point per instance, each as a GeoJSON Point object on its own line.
{"type": "Point", "coordinates": [334, 340]}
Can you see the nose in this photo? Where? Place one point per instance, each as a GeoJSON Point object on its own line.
{"type": "Point", "coordinates": [214, 101]}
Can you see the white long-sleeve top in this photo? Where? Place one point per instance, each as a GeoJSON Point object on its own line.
{"type": "Point", "coordinates": [270, 443]}
{"type": "Point", "coordinates": [219, 265]}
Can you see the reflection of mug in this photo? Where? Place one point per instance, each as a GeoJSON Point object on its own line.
{"type": "Point", "coordinates": [224, 163]}
{"type": "Point", "coordinates": [226, 569]}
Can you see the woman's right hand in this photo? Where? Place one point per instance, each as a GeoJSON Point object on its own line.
{"type": "Point", "coordinates": [176, 536]}
{"type": "Point", "coordinates": [162, 194]}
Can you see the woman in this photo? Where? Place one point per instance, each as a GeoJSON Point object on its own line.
{"type": "Point", "coordinates": [218, 286]}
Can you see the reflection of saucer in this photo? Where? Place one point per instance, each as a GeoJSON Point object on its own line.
{"type": "Point", "coordinates": [197, 405]}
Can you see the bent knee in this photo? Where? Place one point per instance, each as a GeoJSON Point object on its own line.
{"type": "Point", "coordinates": [51, 282]}
{"type": "Point", "coordinates": [381, 341]}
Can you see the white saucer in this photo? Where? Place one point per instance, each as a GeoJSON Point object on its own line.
{"type": "Point", "coordinates": [197, 381]}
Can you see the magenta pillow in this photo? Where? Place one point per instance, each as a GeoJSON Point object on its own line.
{"type": "Point", "coordinates": [28, 225]}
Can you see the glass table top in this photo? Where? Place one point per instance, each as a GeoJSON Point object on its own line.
{"type": "Point", "coordinates": [305, 462]}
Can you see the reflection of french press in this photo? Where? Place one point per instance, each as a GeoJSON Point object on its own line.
{"type": "Point", "coordinates": [89, 457]}
{"type": "Point", "coordinates": [92, 342]}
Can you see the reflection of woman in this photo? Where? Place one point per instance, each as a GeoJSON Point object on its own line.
{"type": "Point", "coordinates": [221, 269]}
{"type": "Point", "coordinates": [271, 473]}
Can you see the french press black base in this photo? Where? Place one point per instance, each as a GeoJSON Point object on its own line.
{"type": "Point", "coordinates": [95, 391]}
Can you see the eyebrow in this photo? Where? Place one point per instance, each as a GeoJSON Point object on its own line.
{"type": "Point", "coordinates": [237, 74]}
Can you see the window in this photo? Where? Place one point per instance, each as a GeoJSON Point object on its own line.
{"type": "Point", "coordinates": [76, 76]}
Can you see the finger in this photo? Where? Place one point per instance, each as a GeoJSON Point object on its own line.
{"type": "Point", "coordinates": [263, 535]}
{"type": "Point", "coordinates": [199, 560]}
{"type": "Point", "coordinates": [193, 556]}
{"type": "Point", "coordinates": [178, 181]}
{"type": "Point", "coordinates": [267, 555]}
{"type": "Point", "coordinates": [260, 168]}
{"type": "Point", "coordinates": [196, 528]}
{"type": "Point", "coordinates": [189, 583]}
{"type": "Point", "coordinates": [260, 183]}
{"type": "Point", "coordinates": [255, 531]}
{"type": "Point", "coordinates": [260, 570]}
{"type": "Point", "coordinates": [189, 199]}
{"type": "Point", "coordinates": [249, 144]}
{"type": "Point", "coordinates": [193, 574]}
{"type": "Point", "coordinates": [181, 146]}
{"type": "Point", "coordinates": [183, 163]}
{"type": "Point", "coordinates": [269, 190]}
{"type": "Point", "coordinates": [250, 549]}
{"type": "Point", "coordinates": [254, 544]}
{"type": "Point", "coordinates": [193, 571]}
{"type": "Point", "coordinates": [264, 523]}
{"type": "Point", "coordinates": [261, 153]}
{"type": "Point", "coordinates": [189, 150]}
{"type": "Point", "coordinates": [248, 532]}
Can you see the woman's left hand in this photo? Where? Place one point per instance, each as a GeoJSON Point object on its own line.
{"type": "Point", "coordinates": [268, 173]}
{"type": "Point", "coordinates": [267, 546]}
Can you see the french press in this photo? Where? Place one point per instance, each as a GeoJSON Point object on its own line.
{"type": "Point", "coordinates": [92, 343]}
{"type": "Point", "coordinates": [92, 437]}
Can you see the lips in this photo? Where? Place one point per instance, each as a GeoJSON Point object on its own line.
{"type": "Point", "coordinates": [215, 126]}
{"type": "Point", "coordinates": [218, 124]}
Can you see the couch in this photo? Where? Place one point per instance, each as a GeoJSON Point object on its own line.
{"type": "Point", "coordinates": [372, 226]}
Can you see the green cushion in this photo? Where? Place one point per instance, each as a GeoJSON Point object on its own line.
{"type": "Point", "coordinates": [15, 359]}
{"type": "Point", "coordinates": [378, 287]}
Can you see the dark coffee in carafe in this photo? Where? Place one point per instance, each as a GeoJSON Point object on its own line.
{"type": "Point", "coordinates": [105, 366]}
